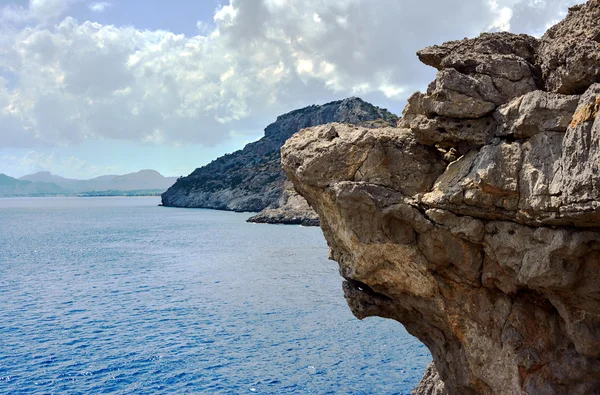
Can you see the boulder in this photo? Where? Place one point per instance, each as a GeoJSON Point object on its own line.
{"type": "Point", "coordinates": [534, 113]}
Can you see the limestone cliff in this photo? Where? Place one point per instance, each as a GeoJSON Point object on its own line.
{"type": "Point", "coordinates": [476, 221]}
{"type": "Point", "coordinates": [292, 209]}
{"type": "Point", "coordinates": [251, 179]}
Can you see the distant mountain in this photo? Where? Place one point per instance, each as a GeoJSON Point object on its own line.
{"type": "Point", "coordinates": [45, 183]}
{"type": "Point", "coordinates": [6, 181]}
{"type": "Point", "coordinates": [12, 187]}
{"type": "Point", "coordinates": [105, 178]}
{"type": "Point", "coordinates": [144, 179]}
{"type": "Point", "coordinates": [251, 179]}
{"type": "Point", "coordinates": [46, 176]}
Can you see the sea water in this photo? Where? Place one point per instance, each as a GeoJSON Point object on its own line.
{"type": "Point", "coordinates": [118, 295]}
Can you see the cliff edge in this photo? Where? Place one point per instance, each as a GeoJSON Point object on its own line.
{"type": "Point", "coordinates": [476, 221]}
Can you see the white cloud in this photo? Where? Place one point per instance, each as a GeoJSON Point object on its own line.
{"type": "Point", "coordinates": [41, 11]}
{"type": "Point", "coordinates": [76, 81]}
{"type": "Point", "coordinates": [100, 6]}
{"type": "Point", "coordinates": [503, 17]}
{"type": "Point", "coordinates": [47, 9]}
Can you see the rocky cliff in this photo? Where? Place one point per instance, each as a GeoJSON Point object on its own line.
{"type": "Point", "coordinates": [292, 209]}
{"type": "Point", "coordinates": [251, 179]}
{"type": "Point", "coordinates": [476, 221]}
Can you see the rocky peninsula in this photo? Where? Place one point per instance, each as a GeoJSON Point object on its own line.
{"type": "Point", "coordinates": [475, 222]}
{"type": "Point", "coordinates": [252, 180]}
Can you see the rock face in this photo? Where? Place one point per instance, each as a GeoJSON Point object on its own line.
{"type": "Point", "coordinates": [476, 221]}
{"type": "Point", "coordinates": [251, 179]}
{"type": "Point", "coordinates": [569, 54]}
{"type": "Point", "coordinates": [431, 383]}
{"type": "Point", "coordinates": [292, 209]}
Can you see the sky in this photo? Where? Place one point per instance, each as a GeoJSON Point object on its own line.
{"type": "Point", "coordinates": [111, 87]}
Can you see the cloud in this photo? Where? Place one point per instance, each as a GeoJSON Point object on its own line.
{"type": "Point", "coordinates": [34, 161]}
{"type": "Point", "coordinates": [40, 11]}
{"type": "Point", "coordinates": [100, 6]}
{"type": "Point", "coordinates": [536, 16]}
{"type": "Point", "coordinates": [47, 9]}
{"type": "Point", "coordinates": [78, 81]}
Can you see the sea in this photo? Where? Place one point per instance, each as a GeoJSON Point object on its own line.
{"type": "Point", "coordinates": [120, 296]}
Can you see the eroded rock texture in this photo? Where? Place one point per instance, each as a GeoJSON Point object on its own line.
{"type": "Point", "coordinates": [476, 222]}
{"type": "Point", "coordinates": [292, 209]}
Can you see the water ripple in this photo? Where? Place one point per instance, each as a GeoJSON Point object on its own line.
{"type": "Point", "coordinates": [116, 295]}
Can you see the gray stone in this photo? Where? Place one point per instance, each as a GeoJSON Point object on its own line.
{"type": "Point", "coordinates": [569, 53]}
{"type": "Point", "coordinates": [413, 109]}
{"type": "Point", "coordinates": [456, 95]}
{"type": "Point", "coordinates": [536, 112]}
{"type": "Point", "coordinates": [293, 210]}
{"type": "Point", "coordinates": [337, 152]}
{"type": "Point", "coordinates": [450, 132]}
{"type": "Point", "coordinates": [486, 180]}
{"type": "Point", "coordinates": [541, 163]}
{"type": "Point", "coordinates": [581, 151]}
{"type": "Point", "coordinates": [431, 383]}
{"type": "Point", "coordinates": [466, 55]}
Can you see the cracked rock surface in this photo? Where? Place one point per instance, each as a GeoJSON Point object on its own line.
{"type": "Point", "coordinates": [292, 209]}
{"type": "Point", "coordinates": [476, 221]}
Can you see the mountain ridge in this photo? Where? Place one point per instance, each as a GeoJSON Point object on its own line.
{"type": "Point", "coordinates": [44, 183]}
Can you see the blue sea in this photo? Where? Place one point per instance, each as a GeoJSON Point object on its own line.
{"type": "Point", "coordinates": [118, 295]}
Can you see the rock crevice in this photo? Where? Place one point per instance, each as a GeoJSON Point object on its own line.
{"type": "Point", "coordinates": [476, 221]}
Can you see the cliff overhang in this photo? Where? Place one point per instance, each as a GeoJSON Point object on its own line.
{"type": "Point", "coordinates": [476, 221]}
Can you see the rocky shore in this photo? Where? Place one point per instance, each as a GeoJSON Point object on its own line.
{"type": "Point", "coordinates": [292, 209]}
{"type": "Point", "coordinates": [476, 221]}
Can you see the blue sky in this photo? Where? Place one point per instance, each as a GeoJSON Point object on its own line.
{"type": "Point", "coordinates": [110, 87]}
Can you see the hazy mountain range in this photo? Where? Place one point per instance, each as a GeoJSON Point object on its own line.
{"type": "Point", "coordinates": [144, 182]}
